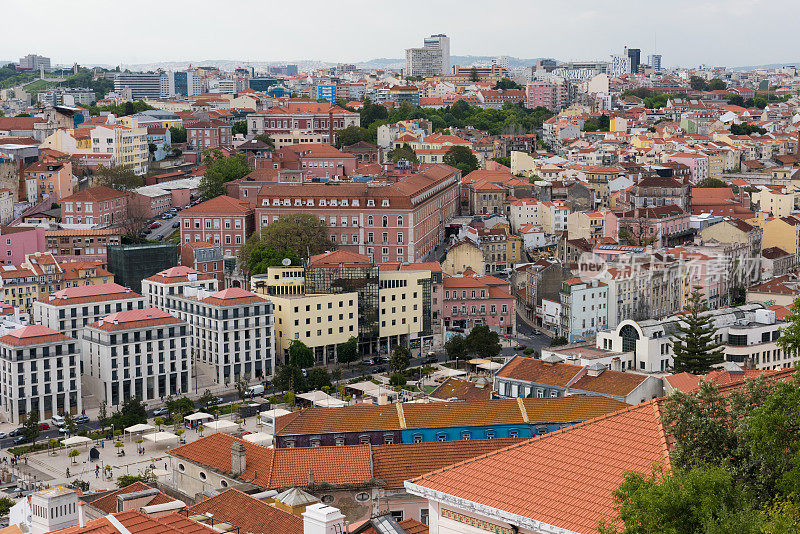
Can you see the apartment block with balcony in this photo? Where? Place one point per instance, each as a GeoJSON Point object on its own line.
{"type": "Point", "coordinates": [471, 300]}
{"type": "Point", "coordinates": [70, 309]}
{"type": "Point", "coordinates": [140, 353]}
{"type": "Point", "coordinates": [40, 372]}
{"type": "Point", "coordinates": [174, 281]}
{"type": "Point", "coordinates": [584, 308]}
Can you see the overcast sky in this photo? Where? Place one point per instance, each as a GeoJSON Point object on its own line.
{"type": "Point", "coordinates": [686, 32]}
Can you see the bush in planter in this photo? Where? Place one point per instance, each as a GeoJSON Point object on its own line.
{"type": "Point", "coordinates": [397, 379]}
{"type": "Point", "coordinates": [528, 351]}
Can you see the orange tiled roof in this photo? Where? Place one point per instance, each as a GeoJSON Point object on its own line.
{"type": "Point", "coordinates": [32, 335]}
{"type": "Point", "coordinates": [108, 502]}
{"type": "Point", "coordinates": [458, 389]}
{"type": "Point", "coordinates": [397, 463]}
{"type": "Point", "coordinates": [95, 194]}
{"type": "Point", "coordinates": [221, 205]}
{"type": "Point", "coordinates": [281, 468]}
{"type": "Point", "coordinates": [249, 514]}
{"type": "Point", "coordinates": [540, 479]}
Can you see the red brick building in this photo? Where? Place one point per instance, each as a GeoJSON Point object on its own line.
{"type": "Point", "coordinates": [214, 133]}
{"type": "Point", "coordinates": [302, 115]}
{"type": "Point", "coordinates": [96, 205]}
{"type": "Point", "coordinates": [223, 221]}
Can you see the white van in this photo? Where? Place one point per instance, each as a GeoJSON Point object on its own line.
{"type": "Point", "coordinates": [58, 420]}
{"type": "Point", "coordinates": [258, 389]}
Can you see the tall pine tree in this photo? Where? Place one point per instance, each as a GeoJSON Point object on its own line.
{"type": "Point", "coordinates": [694, 349]}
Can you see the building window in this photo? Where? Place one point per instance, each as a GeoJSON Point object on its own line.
{"type": "Point", "coordinates": [362, 497]}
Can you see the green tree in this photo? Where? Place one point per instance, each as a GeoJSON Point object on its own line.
{"type": "Point", "coordinates": [239, 127]}
{"type": "Point", "coordinates": [132, 412]}
{"type": "Point", "coordinates": [404, 152]}
{"type": "Point", "coordinates": [126, 480]}
{"type": "Point", "coordinates": [371, 113]}
{"type": "Point", "coordinates": [760, 102]}
{"type": "Point", "coordinates": [318, 378]}
{"type": "Point", "coordinates": [716, 85]}
{"type": "Point", "coordinates": [304, 234]}
{"type": "Point", "coordinates": [400, 359]}
{"type": "Point", "coordinates": [736, 100]}
{"type": "Point", "coordinates": [473, 74]}
{"type": "Point", "coordinates": [290, 378]}
{"type": "Point", "coordinates": [119, 178]}
{"type": "Point", "coordinates": [347, 352]}
{"type": "Point", "coordinates": [483, 342]}
{"type": "Point", "coordinates": [5, 506]}
{"type": "Point", "coordinates": [73, 454]}
{"type": "Point", "coordinates": [177, 134]}
{"type": "Point", "coordinates": [462, 158]}
{"type": "Point", "coordinates": [456, 348]}
{"type": "Point", "coordinates": [712, 182]}
{"type": "Point", "coordinates": [241, 385]}
{"type": "Point", "coordinates": [69, 423]}
{"type": "Point", "coordinates": [503, 160]}
{"type": "Point", "coordinates": [698, 84]}
{"type": "Point", "coordinates": [694, 348]}
{"type": "Point", "coordinates": [559, 341]}
{"type": "Point", "coordinates": [259, 257]}
{"type": "Point", "coordinates": [220, 170]}
{"type": "Point", "coordinates": [300, 355]}
{"type": "Point", "coordinates": [30, 428]}
{"type": "Point", "coordinates": [207, 399]}
{"type": "Point", "coordinates": [102, 415]}
{"type": "Point", "coordinates": [351, 135]}
{"type": "Point", "coordinates": [700, 500]}
{"type": "Point", "coordinates": [506, 83]}
{"type": "Point", "coordinates": [266, 139]}
{"type": "Point", "coordinates": [181, 406]}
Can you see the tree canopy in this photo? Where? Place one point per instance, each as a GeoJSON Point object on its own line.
{"type": "Point", "coordinates": [300, 355]}
{"type": "Point", "coordinates": [239, 127]}
{"type": "Point", "coordinates": [177, 134]}
{"type": "Point", "coordinates": [118, 177]}
{"type": "Point", "coordinates": [351, 135]}
{"type": "Point", "coordinates": [456, 348]}
{"type": "Point", "coordinates": [400, 359]}
{"type": "Point", "coordinates": [302, 234]}
{"type": "Point", "coordinates": [506, 83]}
{"type": "Point", "coordinates": [462, 158]}
{"type": "Point", "coordinates": [347, 352]}
{"type": "Point", "coordinates": [262, 257]}
{"type": "Point", "coordinates": [483, 342]}
{"type": "Point", "coordinates": [132, 412]}
{"type": "Point", "coordinates": [220, 170]}
{"type": "Point", "coordinates": [404, 152]}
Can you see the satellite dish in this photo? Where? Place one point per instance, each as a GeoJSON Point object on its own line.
{"type": "Point", "coordinates": [286, 262]}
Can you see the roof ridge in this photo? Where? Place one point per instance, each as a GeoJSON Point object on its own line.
{"type": "Point", "coordinates": [523, 410]}
{"type": "Point", "coordinates": [540, 437]}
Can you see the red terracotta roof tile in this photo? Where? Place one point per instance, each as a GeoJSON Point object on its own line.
{"type": "Point", "coordinates": [251, 515]}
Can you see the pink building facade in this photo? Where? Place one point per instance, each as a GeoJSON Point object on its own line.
{"type": "Point", "coordinates": [697, 163]}
{"type": "Point", "coordinates": [664, 226]}
{"type": "Point", "coordinates": [96, 205]}
{"type": "Point", "coordinates": [551, 95]}
{"type": "Point", "coordinates": [222, 221]}
{"type": "Point", "coordinates": [17, 241]}
{"type": "Point", "coordinates": [397, 222]}
{"type": "Point", "coordinates": [471, 300]}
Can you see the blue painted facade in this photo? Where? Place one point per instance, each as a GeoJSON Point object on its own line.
{"type": "Point", "coordinates": [456, 433]}
{"type": "Point", "coordinates": [162, 142]}
{"type": "Point", "coordinates": [327, 91]}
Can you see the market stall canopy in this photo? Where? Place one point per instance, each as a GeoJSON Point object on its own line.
{"type": "Point", "coordinates": [199, 416]}
{"type": "Point", "coordinates": [141, 427]}
{"type": "Point", "coordinates": [160, 436]}
{"type": "Point", "coordinates": [76, 440]}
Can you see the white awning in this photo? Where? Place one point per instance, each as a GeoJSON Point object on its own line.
{"type": "Point", "coordinates": [221, 425]}
{"type": "Point", "coordinates": [158, 437]}
{"type": "Point", "coordinates": [141, 427]}
{"type": "Point", "coordinates": [271, 415]}
{"type": "Point", "coordinates": [199, 416]}
{"type": "Point", "coordinates": [490, 366]}
{"type": "Point", "coordinates": [262, 438]}
{"type": "Point", "coordinates": [76, 440]}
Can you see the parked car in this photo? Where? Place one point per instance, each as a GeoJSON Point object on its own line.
{"type": "Point", "coordinates": [378, 369]}
{"type": "Point", "coordinates": [158, 412]}
{"type": "Point", "coordinates": [3, 435]}
{"type": "Point", "coordinates": [63, 430]}
{"type": "Point", "coordinates": [58, 420]}
{"type": "Point", "coordinates": [15, 432]}
{"type": "Point", "coordinates": [44, 426]}
{"type": "Point", "coordinates": [159, 238]}
{"type": "Point", "coordinates": [81, 419]}
{"type": "Point", "coordinates": [381, 359]}
{"type": "Point", "coordinates": [536, 332]}
{"type": "Point", "coordinates": [431, 359]}
{"type": "Point", "coordinates": [176, 224]}
{"type": "Point", "coordinates": [20, 439]}
{"type": "Point", "coordinates": [154, 226]}
{"type": "Point", "coordinates": [215, 402]}
{"type": "Point", "coordinates": [520, 346]}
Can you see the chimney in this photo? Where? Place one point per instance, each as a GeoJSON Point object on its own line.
{"type": "Point", "coordinates": [310, 477]}
{"type": "Point", "coordinates": [81, 514]}
{"type": "Point", "coordinates": [238, 459]}
{"type": "Point", "coordinates": [322, 519]}
{"type": "Point", "coordinates": [330, 125]}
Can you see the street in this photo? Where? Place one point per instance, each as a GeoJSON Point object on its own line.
{"type": "Point", "coordinates": [164, 230]}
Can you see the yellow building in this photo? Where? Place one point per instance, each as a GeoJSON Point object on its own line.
{"type": "Point", "coordinates": [320, 321]}
{"type": "Point", "coordinates": [462, 256]}
{"type": "Point", "coordinates": [642, 141]}
{"type": "Point", "coordinates": [774, 202]}
{"type": "Point", "coordinates": [779, 232]}
{"type": "Point", "coordinates": [401, 305]}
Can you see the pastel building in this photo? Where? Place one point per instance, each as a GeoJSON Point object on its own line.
{"type": "Point", "coordinates": [584, 308]}
{"type": "Point", "coordinates": [223, 221]}
{"type": "Point", "coordinates": [471, 300]}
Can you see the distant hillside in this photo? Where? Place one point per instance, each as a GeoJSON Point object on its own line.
{"type": "Point", "coordinates": [767, 66]}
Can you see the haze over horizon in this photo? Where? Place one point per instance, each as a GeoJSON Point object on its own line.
{"type": "Point", "coordinates": [712, 32]}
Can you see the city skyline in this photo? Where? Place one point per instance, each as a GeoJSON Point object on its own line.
{"type": "Point", "coordinates": [589, 33]}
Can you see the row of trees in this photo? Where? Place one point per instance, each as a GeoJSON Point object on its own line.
{"type": "Point", "coordinates": [481, 341]}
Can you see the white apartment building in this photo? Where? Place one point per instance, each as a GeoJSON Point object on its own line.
{"type": "Point", "coordinates": [40, 372]}
{"type": "Point", "coordinates": [433, 59]}
{"type": "Point", "coordinates": [232, 332]}
{"type": "Point", "coordinates": [748, 333]}
{"type": "Point", "coordinates": [72, 308]}
{"type": "Point", "coordinates": [554, 217]}
{"type": "Point", "coordinates": [137, 353]}
{"type": "Point", "coordinates": [584, 308]}
{"type": "Point", "coordinates": [142, 85]}
{"type": "Point", "coordinates": [173, 281]}
{"type": "Point", "coordinates": [128, 146]}
{"type": "Point", "coordinates": [523, 212]}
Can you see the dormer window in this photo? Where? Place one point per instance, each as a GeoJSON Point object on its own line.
{"type": "Point", "coordinates": [385, 204]}
{"type": "Point", "coordinates": [310, 202]}
{"type": "Point", "coordinates": [323, 202]}
{"type": "Point", "coordinates": [370, 203]}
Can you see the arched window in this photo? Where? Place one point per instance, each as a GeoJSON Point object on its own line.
{"type": "Point", "coordinates": [385, 221]}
